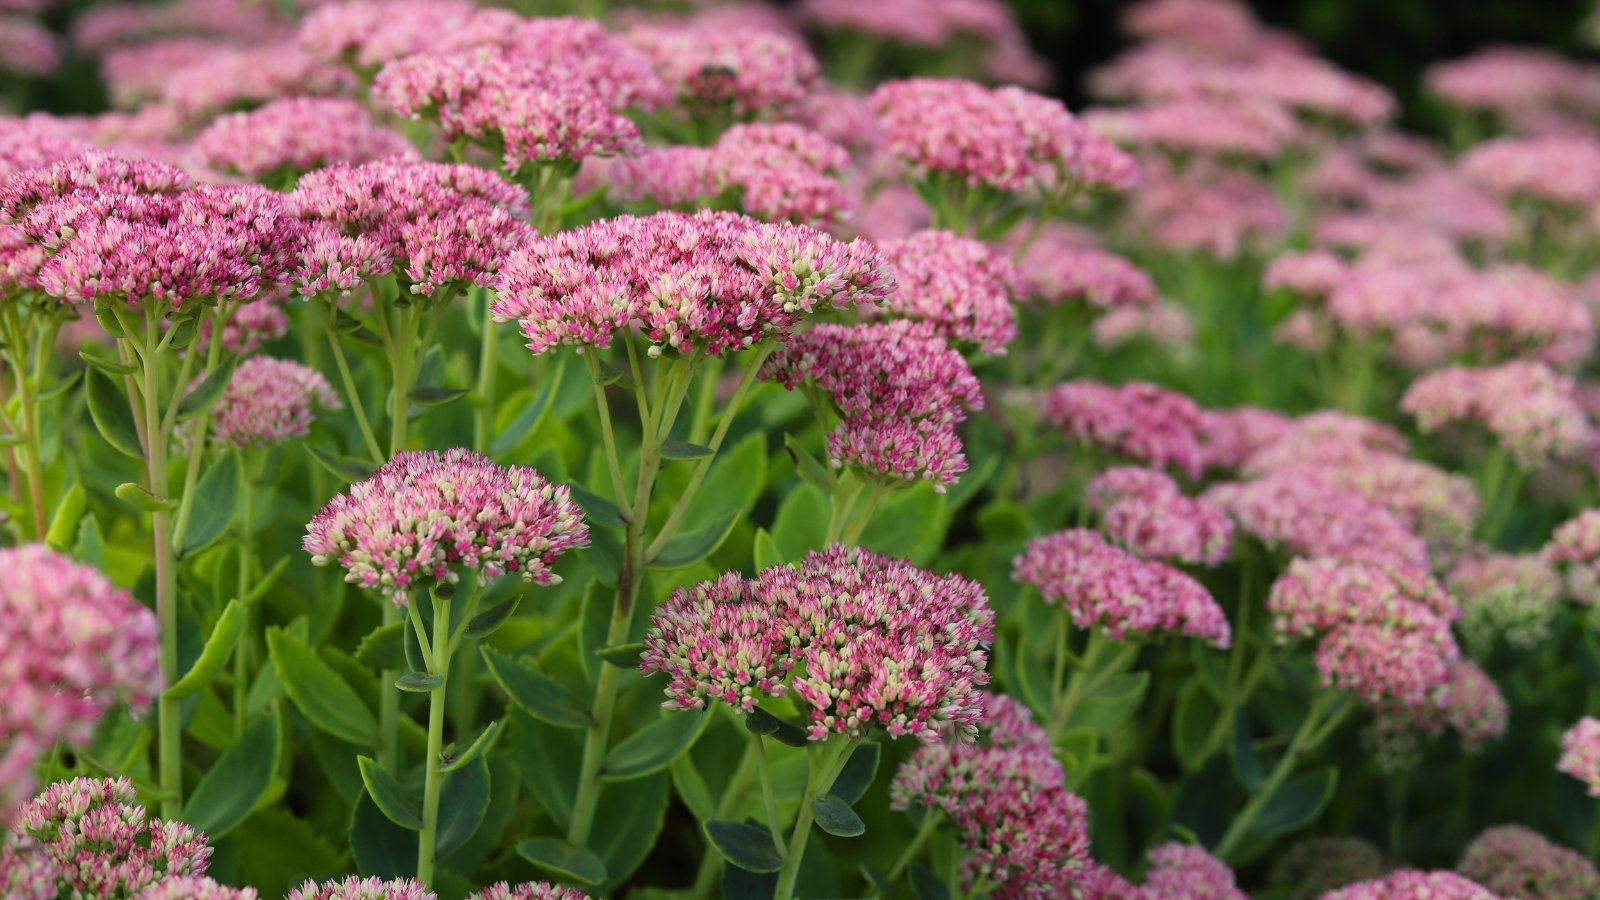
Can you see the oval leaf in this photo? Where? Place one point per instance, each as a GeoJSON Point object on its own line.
{"type": "Point", "coordinates": [487, 622]}
{"type": "Point", "coordinates": [108, 407]}
{"type": "Point", "coordinates": [563, 860]}
{"type": "Point", "coordinates": [746, 846]}
{"type": "Point", "coordinates": [535, 693]}
{"type": "Point", "coordinates": [654, 747]}
{"type": "Point", "coordinates": [205, 393]}
{"type": "Point", "coordinates": [107, 364]}
{"type": "Point", "coordinates": [761, 722]}
{"type": "Point", "coordinates": [419, 682]}
{"type": "Point", "coordinates": [141, 499]}
{"type": "Point", "coordinates": [383, 647]}
{"type": "Point", "coordinates": [64, 524]}
{"type": "Point", "coordinates": [835, 817]}
{"type": "Point", "coordinates": [857, 774]}
{"type": "Point", "coordinates": [347, 468]}
{"type": "Point", "coordinates": [399, 805]}
{"type": "Point", "coordinates": [810, 469]}
{"type": "Point", "coordinates": [212, 508]}
{"type": "Point", "coordinates": [686, 549]}
{"type": "Point", "coordinates": [325, 698]}
{"type": "Point", "coordinates": [238, 780]}
{"type": "Point", "coordinates": [463, 802]}
{"type": "Point", "coordinates": [436, 396]}
{"type": "Point", "coordinates": [219, 646]}
{"type": "Point", "coordinates": [596, 508]}
{"type": "Point", "coordinates": [685, 450]}
{"type": "Point", "coordinates": [1298, 802]}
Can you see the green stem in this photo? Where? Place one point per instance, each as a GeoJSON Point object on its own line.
{"type": "Point", "coordinates": [1398, 785]}
{"type": "Point", "coordinates": [241, 660]}
{"type": "Point", "coordinates": [930, 823]}
{"type": "Point", "coordinates": [483, 418]}
{"type": "Point", "coordinates": [1084, 684]}
{"type": "Point", "coordinates": [852, 535]}
{"type": "Point", "coordinates": [200, 425]}
{"type": "Point", "coordinates": [352, 396]}
{"type": "Point", "coordinates": [825, 767]}
{"type": "Point", "coordinates": [768, 797]}
{"type": "Point", "coordinates": [28, 410]}
{"type": "Point", "coordinates": [1311, 733]}
{"type": "Point", "coordinates": [438, 664]}
{"type": "Point", "coordinates": [844, 499]}
{"type": "Point", "coordinates": [169, 730]}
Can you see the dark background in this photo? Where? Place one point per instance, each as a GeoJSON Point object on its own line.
{"type": "Point", "coordinates": [1391, 41]}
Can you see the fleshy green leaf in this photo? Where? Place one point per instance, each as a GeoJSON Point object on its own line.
{"type": "Point", "coordinates": [463, 802]}
{"type": "Point", "coordinates": [623, 656]}
{"type": "Point", "coordinates": [654, 747]}
{"type": "Point", "coordinates": [1298, 802]}
{"type": "Point", "coordinates": [102, 362]}
{"type": "Point", "coordinates": [401, 806]}
{"type": "Point", "coordinates": [139, 498]}
{"type": "Point", "coordinates": [835, 817]}
{"type": "Point", "coordinates": [761, 722]}
{"type": "Point", "coordinates": [683, 550]}
{"type": "Point", "coordinates": [205, 393]}
{"type": "Point", "coordinates": [765, 550]}
{"type": "Point", "coordinates": [452, 759]}
{"type": "Point", "coordinates": [685, 450]}
{"type": "Point", "coordinates": [212, 508]}
{"type": "Point", "coordinates": [534, 692]}
{"type": "Point", "coordinates": [927, 886]}
{"type": "Point", "coordinates": [238, 780]}
{"type": "Point", "coordinates": [1192, 720]}
{"type": "Point", "coordinates": [419, 682]}
{"type": "Point", "coordinates": [810, 469]}
{"type": "Point", "coordinates": [746, 846]}
{"type": "Point", "coordinates": [64, 524]}
{"type": "Point", "coordinates": [325, 698]}
{"type": "Point", "coordinates": [487, 622]}
{"type": "Point", "coordinates": [436, 396]}
{"type": "Point", "coordinates": [383, 647]}
{"type": "Point", "coordinates": [218, 648]}
{"type": "Point", "coordinates": [346, 468]}
{"type": "Point", "coordinates": [857, 774]}
{"type": "Point", "coordinates": [563, 860]}
{"type": "Point", "coordinates": [596, 508]}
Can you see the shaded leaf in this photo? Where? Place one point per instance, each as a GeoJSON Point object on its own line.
{"type": "Point", "coordinates": [746, 846]}
{"type": "Point", "coordinates": [563, 860]}
{"type": "Point", "coordinates": [534, 692]}
{"type": "Point", "coordinates": [401, 806]}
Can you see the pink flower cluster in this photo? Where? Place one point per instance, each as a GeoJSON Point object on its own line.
{"type": "Point", "coordinates": [251, 325]}
{"type": "Point", "coordinates": [711, 282]}
{"type": "Point", "coordinates": [1201, 126]}
{"type": "Point", "coordinates": [1576, 547]}
{"type": "Point", "coordinates": [1063, 266]}
{"type": "Point", "coordinates": [526, 115]}
{"type": "Point", "coordinates": [438, 225]}
{"type": "Point", "coordinates": [1144, 511]}
{"type": "Point", "coordinates": [1001, 46]}
{"type": "Point", "coordinates": [1137, 420]}
{"type": "Point", "coordinates": [1230, 437]}
{"type": "Point", "coordinates": [1383, 633]}
{"type": "Point", "coordinates": [781, 172]}
{"type": "Point", "coordinates": [191, 887]}
{"type": "Point", "coordinates": [27, 47]}
{"type": "Point", "coordinates": [36, 140]}
{"type": "Point", "coordinates": [365, 34]}
{"type": "Point", "coordinates": [1512, 81]}
{"type": "Point", "coordinates": [1580, 753]}
{"type": "Point", "coordinates": [1127, 597]}
{"type": "Point", "coordinates": [1531, 411]}
{"type": "Point", "coordinates": [1411, 884]}
{"type": "Point", "coordinates": [1176, 870]}
{"type": "Point", "coordinates": [237, 77]}
{"type": "Point", "coordinates": [750, 71]}
{"type": "Point", "coordinates": [425, 513]}
{"type": "Point", "coordinates": [1024, 833]}
{"type": "Point", "coordinates": [1210, 209]}
{"type": "Point", "coordinates": [1505, 597]}
{"type": "Point", "coordinates": [961, 287]}
{"type": "Point", "coordinates": [1516, 861]}
{"type": "Point", "coordinates": [76, 646]}
{"type": "Point", "coordinates": [528, 890]}
{"type": "Point", "coordinates": [1312, 518]}
{"type": "Point", "coordinates": [136, 230]}
{"type": "Point", "coordinates": [354, 887]}
{"type": "Point", "coordinates": [1008, 138]}
{"type": "Point", "coordinates": [288, 137]}
{"type": "Point", "coordinates": [861, 640]}
{"type": "Point", "coordinates": [89, 838]}
{"type": "Point", "coordinates": [1560, 171]}
{"type": "Point", "coordinates": [269, 401]}
{"type": "Point", "coordinates": [899, 390]}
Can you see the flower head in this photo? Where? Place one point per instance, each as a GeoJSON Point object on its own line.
{"type": "Point", "coordinates": [1101, 585]}
{"type": "Point", "coordinates": [193, 887]}
{"type": "Point", "coordinates": [89, 838]}
{"type": "Point", "coordinates": [1146, 423]}
{"type": "Point", "coordinates": [1315, 865]}
{"type": "Point", "coordinates": [1575, 546]}
{"type": "Point", "coordinates": [1531, 411]}
{"type": "Point", "coordinates": [751, 71]}
{"type": "Point", "coordinates": [1189, 871]}
{"type": "Point", "coordinates": [1409, 884]}
{"type": "Point", "coordinates": [1519, 862]}
{"type": "Point", "coordinates": [712, 282]}
{"type": "Point", "coordinates": [861, 640]}
{"type": "Point", "coordinates": [269, 401]}
{"type": "Point", "coordinates": [1313, 518]}
{"type": "Point", "coordinates": [354, 887]}
{"type": "Point", "coordinates": [959, 286]}
{"type": "Point", "coordinates": [1145, 511]}
{"type": "Point", "coordinates": [1513, 598]}
{"type": "Point", "coordinates": [425, 513]}
{"type": "Point", "coordinates": [78, 645]}
{"type": "Point", "coordinates": [296, 135]}
{"type": "Point", "coordinates": [1580, 753]}
{"type": "Point", "coordinates": [528, 890]}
